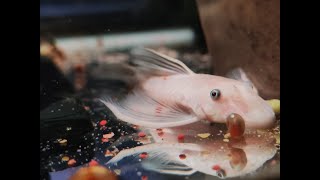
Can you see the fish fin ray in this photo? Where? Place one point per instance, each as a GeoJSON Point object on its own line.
{"type": "Point", "coordinates": [140, 109]}
{"type": "Point", "coordinates": [239, 75]}
{"type": "Point", "coordinates": [158, 159]}
{"type": "Point", "coordinates": [155, 63]}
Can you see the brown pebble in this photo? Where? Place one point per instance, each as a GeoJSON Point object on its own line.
{"type": "Point", "coordinates": [236, 125]}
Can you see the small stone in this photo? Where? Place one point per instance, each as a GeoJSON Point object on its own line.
{"type": "Point", "coordinates": [236, 125]}
{"type": "Point", "coordinates": [65, 158]}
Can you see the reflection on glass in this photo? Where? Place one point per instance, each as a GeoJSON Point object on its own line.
{"type": "Point", "coordinates": [238, 159]}
{"type": "Point", "coordinates": [206, 154]}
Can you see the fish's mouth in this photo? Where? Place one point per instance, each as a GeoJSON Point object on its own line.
{"type": "Point", "coordinates": [235, 124]}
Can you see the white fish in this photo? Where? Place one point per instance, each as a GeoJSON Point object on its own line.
{"type": "Point", "coordinates": [170, 94]}
{"type": "Point", "coordinates": [211, 155]}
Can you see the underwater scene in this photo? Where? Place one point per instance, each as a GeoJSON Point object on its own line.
{"type": "Point", "coordinates": [127, 96]}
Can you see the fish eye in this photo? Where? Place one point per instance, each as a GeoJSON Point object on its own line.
{"type": "Point", "coordinates": [215, 93]}
{"type": "Point", "coordinates": [221, 173]}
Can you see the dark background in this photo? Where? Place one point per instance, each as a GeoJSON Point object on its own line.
{"type": "Point", "coordinates": [89, 17]}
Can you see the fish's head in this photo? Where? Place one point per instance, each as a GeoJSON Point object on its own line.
{"type": "Point", "coordinates": [224, 98]}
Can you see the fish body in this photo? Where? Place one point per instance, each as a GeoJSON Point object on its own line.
{"type": "Point", "coordinates": [169, 94]}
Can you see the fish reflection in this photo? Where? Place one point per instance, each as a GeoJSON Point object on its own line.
{"type": "Point", "coordinates": [238, 159]}
{"type": "Point", "coordinates": [210, 155]}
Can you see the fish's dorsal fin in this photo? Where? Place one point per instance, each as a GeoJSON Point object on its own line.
{"type": "Point", "coordinates": [239, 75]}
{"type": "Point", "coordinates": [157, 63]}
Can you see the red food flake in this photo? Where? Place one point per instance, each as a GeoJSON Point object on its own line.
{"type": "Point", "coordinates": [180, 137]}
{"type": "Point", "coordinates": [71, 162]}
{"type": "Point", "coordinates": [216, 167]}
{"type": "Point", "coordinates": [93, 163]}
{"type": "Point", "coordinates": [103, 122]}
{"type": "Point", "coordinates": [105, 140]}
{"type": "Point", "coordinates": [182, 156]}
{"type": "Point", "coordinates": [143, 155]}
{"type": "Point", "coordinates": [142, 134]}
{"type": "Point", "coordinates": [144, 177]}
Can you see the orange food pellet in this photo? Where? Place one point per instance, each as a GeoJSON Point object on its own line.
{"type": "Point", "coordinates": [71, 162]}
{"type": "Point", "coordinates": [103, 122]}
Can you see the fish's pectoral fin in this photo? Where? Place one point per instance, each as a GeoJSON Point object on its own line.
{"type": "Point", "coordinates": [152, 62]}
{"type": "Point", "coordinates": [140, 109]}
{"type": "Point", "coordinates": [161, 157]}
{"type": "Point", "coordinates": [160, 161]}
{"type": "Point", "coordinates": [176, 169]}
